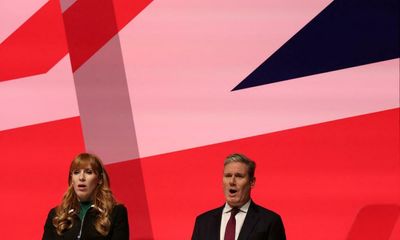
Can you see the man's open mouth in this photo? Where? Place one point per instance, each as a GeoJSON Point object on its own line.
{"type": "Point", "coordinates": [232, 191]}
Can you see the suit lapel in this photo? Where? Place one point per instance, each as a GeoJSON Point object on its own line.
{"type": "Point", "coordinates": [215, 224]}
{"type": "Point", "coordinates": [249, 222]}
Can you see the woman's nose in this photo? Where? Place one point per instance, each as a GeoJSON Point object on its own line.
{"type": "Point", "coordinates": [82, 176]}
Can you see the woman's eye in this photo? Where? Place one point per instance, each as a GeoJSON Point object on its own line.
{"type": "Point", "coordinates": [76, 172]}
{"type": "Point", "coordinates": [89, 171]}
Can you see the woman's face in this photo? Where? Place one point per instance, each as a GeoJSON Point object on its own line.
{"type": "Point", "coordinates": [84, 181]}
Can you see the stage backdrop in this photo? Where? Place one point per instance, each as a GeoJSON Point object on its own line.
{"type": "Point", "coordinates": [162, 91]}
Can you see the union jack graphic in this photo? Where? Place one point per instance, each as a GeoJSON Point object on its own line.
{"type": "Point", "coordinates": [162, 91]}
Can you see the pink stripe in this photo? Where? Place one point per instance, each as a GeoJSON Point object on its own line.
{"type": "Point", "coordinates": [37, 99]}
{"type": "Point", "coordinates": [104, 105]}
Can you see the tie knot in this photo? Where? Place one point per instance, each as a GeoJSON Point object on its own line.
{"type": "Point", "coordinates": [234, 211]}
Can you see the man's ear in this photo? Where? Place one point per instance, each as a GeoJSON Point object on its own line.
{"type": "Point", "coordinates": [253, 182]}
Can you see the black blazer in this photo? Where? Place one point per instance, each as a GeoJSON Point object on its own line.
{"type": "Point", "coordinates": [259, 224]}
{"type": "Point", "coordinates": [119, 226]}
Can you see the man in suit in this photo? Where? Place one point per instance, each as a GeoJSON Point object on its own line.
{"type": "Point", "coordinates": [239, 218]}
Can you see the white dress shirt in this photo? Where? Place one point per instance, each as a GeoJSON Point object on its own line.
{"type": "Point", "coordinates": [240, 216]}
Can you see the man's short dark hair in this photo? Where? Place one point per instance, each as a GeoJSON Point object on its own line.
{"type": "Point", "coordinates": [237, 157]}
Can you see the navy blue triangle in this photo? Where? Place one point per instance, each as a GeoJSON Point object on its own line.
{"type": "Point", "coordinates": [345, 34]}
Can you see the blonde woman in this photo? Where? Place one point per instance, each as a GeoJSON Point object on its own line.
{"type": "Point", "coordinates": [88, 209]}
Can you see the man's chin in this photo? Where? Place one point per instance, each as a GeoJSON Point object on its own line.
{"type": "Point", "coordinates": [233, 202]}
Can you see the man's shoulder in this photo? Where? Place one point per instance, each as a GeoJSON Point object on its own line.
{"type": "Point", "coordinates": [211, 213]}
{"type": "Point", "coordinates": [262, 211]}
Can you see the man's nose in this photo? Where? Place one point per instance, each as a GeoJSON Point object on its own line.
{"type": "Point", "coordinates": [232, 180]}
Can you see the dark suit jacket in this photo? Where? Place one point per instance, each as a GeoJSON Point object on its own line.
{"type": "Point", "coordinates": [259, 224]}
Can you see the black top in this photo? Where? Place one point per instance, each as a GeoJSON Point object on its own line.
{"type": "Point", "coordinates": [119, 226]}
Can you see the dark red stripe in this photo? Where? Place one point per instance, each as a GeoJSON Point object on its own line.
{"type": "Point", "coordinates": [92, 23]}
{"type": "Point", "coordinates": [129, 186]}
{"type": "Point", "coordinates": [375, 222]}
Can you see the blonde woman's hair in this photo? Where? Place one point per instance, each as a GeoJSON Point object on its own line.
{"type": "Point", "coordinates": [103, 199]}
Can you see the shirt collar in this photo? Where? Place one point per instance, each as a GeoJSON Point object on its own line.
{"type": "Point", "coordinates": [91, 206]}
{"type": "Point", "coordinates": [243, 208]}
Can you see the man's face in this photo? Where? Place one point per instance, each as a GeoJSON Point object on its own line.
{"type": "Point", "coordinates": [237, 184]}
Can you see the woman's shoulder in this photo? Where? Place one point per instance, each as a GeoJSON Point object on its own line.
{"type": "Point", "coordinates": [119, 215]}
{"type": "Point", "coordinates": [119, 211]}
{"type": "Point", "coordinates": [52, 211]}
{"type": "Point", "coordinates": [51, 215]}
{"type": "Point", "coordinates": [119, 207]}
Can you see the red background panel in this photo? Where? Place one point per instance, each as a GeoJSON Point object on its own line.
{"type": "Point", "coordinates": [317, 177]}
{"type": "Point", "coordinates": [34, 175]}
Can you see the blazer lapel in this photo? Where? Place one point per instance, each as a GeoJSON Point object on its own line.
{"type": "Point", "coordinates": [249, 222]}
{"type": "Point", "coordinates": [215, 224]}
